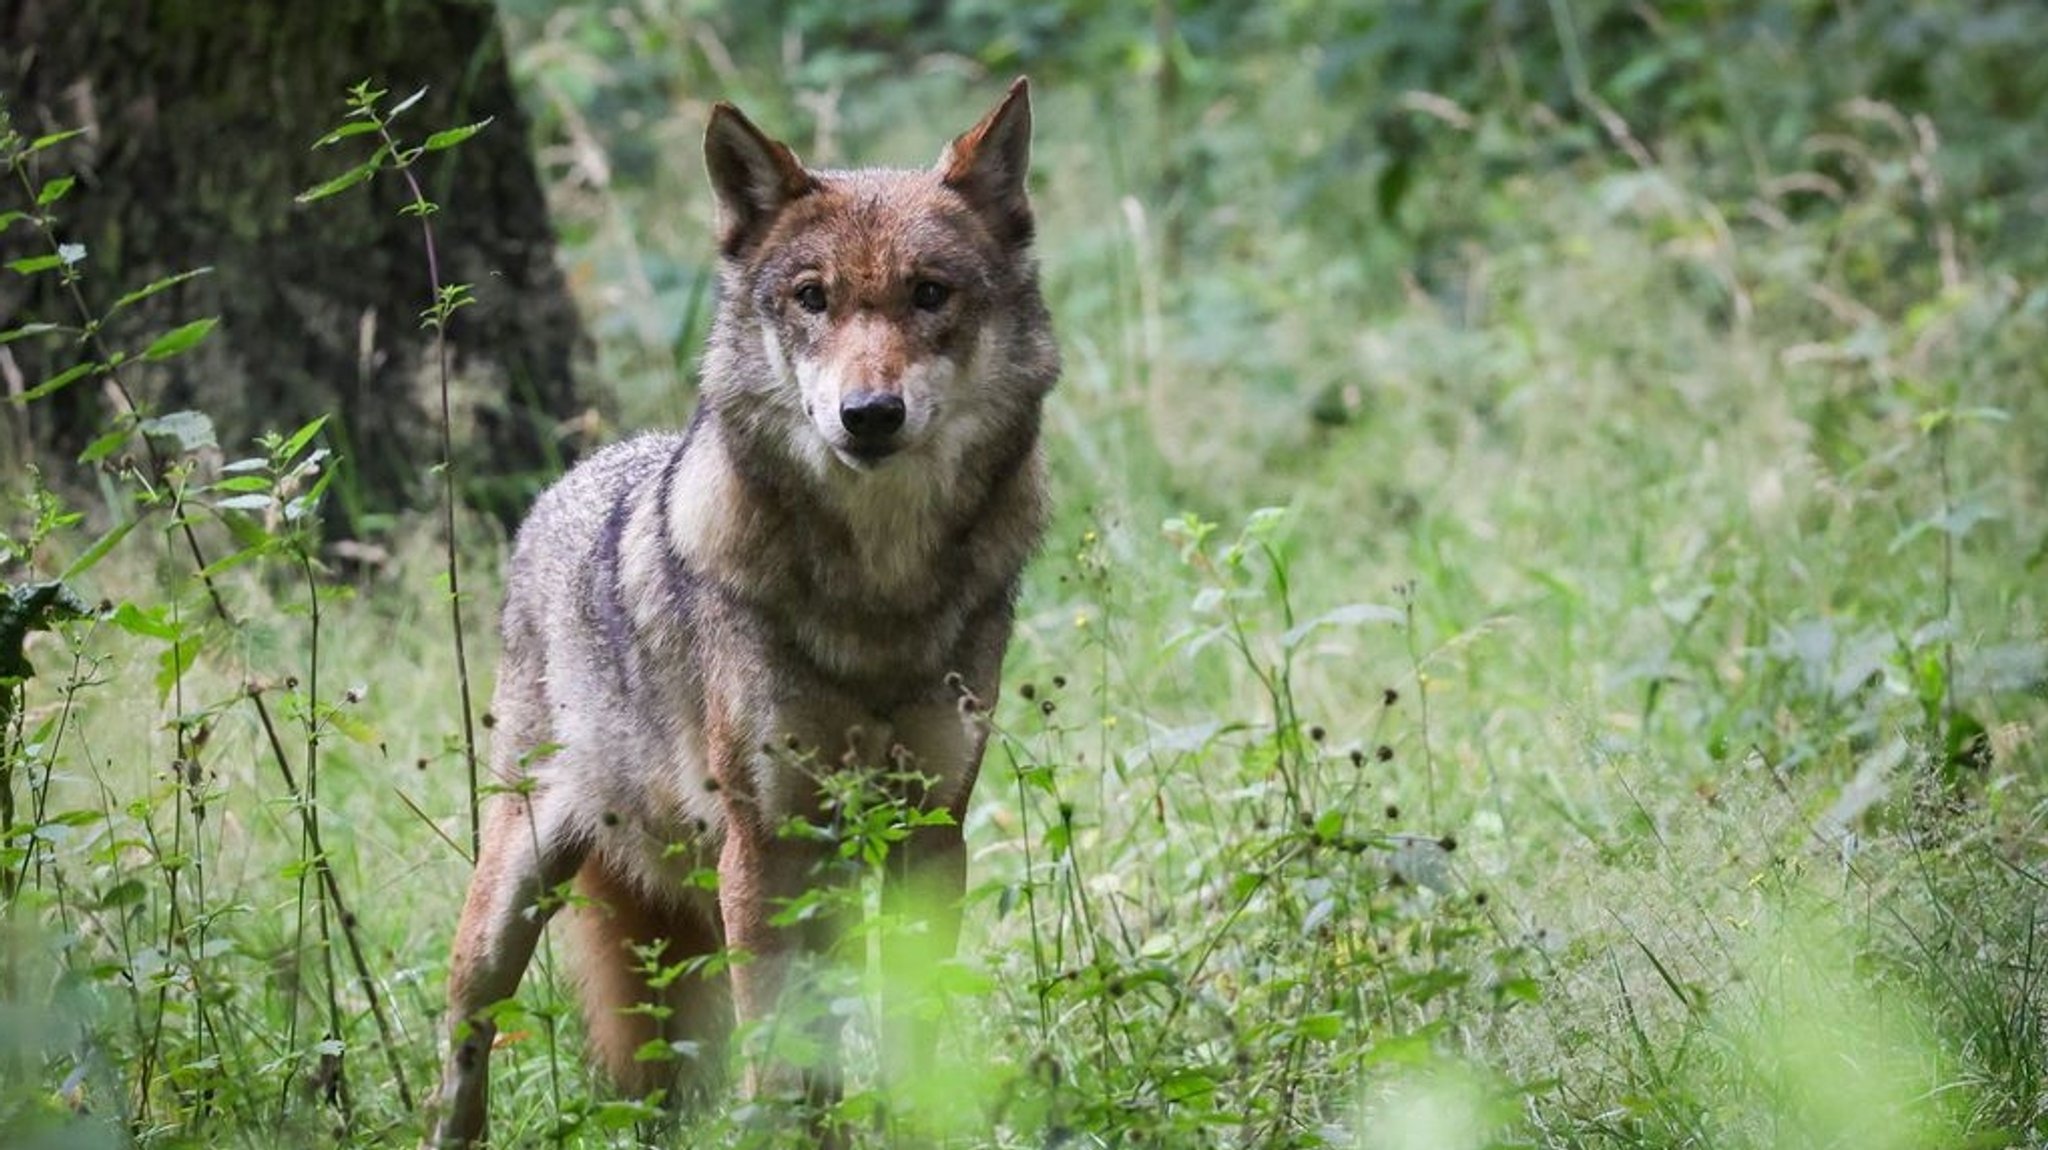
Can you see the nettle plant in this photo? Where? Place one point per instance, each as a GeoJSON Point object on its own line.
{"type": "Point", "coordinates": [1308, 947]}
{"type": "Point", "coordinates": [150, 998]}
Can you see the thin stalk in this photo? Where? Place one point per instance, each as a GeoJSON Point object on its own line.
{"type": "Point", "coordinates": [440, 314]}
{"type": "Point", "coordinates": [1948, 581]}
{"type": "Point", "coordinates": [331, 894]}
{"type": "Point", "coordinates": [1415, 662]}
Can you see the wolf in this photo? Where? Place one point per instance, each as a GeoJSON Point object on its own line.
{"type": "Point", "coordinates": [820, 572]}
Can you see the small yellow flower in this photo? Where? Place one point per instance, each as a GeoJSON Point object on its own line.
{"type": "Point", "coordinates": [1081, 620]}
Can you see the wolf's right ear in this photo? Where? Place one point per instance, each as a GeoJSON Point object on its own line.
{"type": "Point", "coordinates": [989, 161]}
{"type": "Point", "coordinates": [753, 176]}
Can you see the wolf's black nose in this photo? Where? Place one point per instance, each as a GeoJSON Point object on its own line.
{"type": "Point", "coordinates": [871, 417]}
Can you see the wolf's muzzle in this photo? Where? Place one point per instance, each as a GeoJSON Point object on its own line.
{"type": "Point", "coordinates": [871, 420]}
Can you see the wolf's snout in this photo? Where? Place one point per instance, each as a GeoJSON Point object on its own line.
{"type": "Point", "coordinates": [871, 418]}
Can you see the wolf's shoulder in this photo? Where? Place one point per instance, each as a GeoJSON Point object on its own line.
{"type": "Point", "coordinates": [608, 477]}
{"type": "Point", "coordinates": [569, 516]}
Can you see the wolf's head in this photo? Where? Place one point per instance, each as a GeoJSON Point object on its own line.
{"type": "Point", "coordinates": [875, 319]}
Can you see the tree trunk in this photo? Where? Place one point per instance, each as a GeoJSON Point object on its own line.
{"type": "Point", "coordinates": [199, 119]}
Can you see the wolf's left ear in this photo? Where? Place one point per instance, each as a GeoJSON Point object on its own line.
{"type": "Point", "coordinates": [988, 162]}
{"type": "Point", "coordinates": [753, 176]}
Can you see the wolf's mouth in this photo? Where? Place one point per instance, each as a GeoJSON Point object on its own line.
{"type": "Point", "coordinates": [866, 456]}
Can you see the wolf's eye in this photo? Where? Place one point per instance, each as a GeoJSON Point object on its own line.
{"type": "Point", "coordinates": [930, 295]}
{"type": "Point", "coordinates": [811, 297]}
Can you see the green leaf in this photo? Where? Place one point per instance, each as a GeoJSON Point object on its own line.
{"type": "Point", "coordinates": [50, 141]}
{"type": "Point", "coordinates": [1402, 1050]}
{"type": "Point", "coordinates": [300, 438]}
{"type": "Point", "coordinates": [58, 382]}
{"type": "Point", "coordinates": [1189, 1088]}
{"type": "Point", "coordinates": [340, 183]}
{"type": "Point", "coordinates": [152, 624]}
{"type": "Point", "coordinates": [354, 729]}
{"type": "Point", "coordinates": [1330, 825]}
{"type": "Point", "coordinates": [54, 190]}
{"type": "Point", "coordinates": [105, 445]}
{"type": "Point", "coordinates": [1321, 1027]}
{"type": "Point", "coordinates": [179, 339]}
{"type": "Point", "coordinates": [245, 502]}
{"type": "Point", "coordinates": [182, 430]}
{"type": "Point", "coordinates": [353, 128]}
{"type": "Point", "coordinates": [173, 664]}
{"type": "Point", "coordinates": [32, 265]}
{"type": "Point", "coordinates": [140, 294]}
{"type": "Point", "coordinates": [236, 484]}
{"type": "Point", "coordinates": [127, 892]}
{"type": "Point", "coordinates": [450, 137]}
{"type": "Point", "coordinates": [241, 526]}
{"type": "Point", "coordinates": [9, 219]}
{"type": "Point", "coordinates": [28, 330]}
{"type": "Point", "coordinates": [1520, 990]}
{"type": "Point", "coordinates": [99, 549]}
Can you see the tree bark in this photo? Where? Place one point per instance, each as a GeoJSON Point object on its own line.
{"type": "Point", "coordinates": [199, 117]}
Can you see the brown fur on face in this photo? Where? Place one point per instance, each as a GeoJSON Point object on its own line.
{"type": "Point", "coordinates": [678, 606]}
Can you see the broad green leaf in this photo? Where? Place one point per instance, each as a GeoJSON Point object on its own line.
{"type": "Point", "coordinates": [338, 184]}
{"type": "Point", "coordinates": [127, 892]}
{"type": "Point", "coordinates": [352, 128]}
{"type": "Point", "coordinates": [1321, 1027]}
{"type": "Point", "coordinates": [51, 140]}
{"type": "Point", "coordinates": [1402, 1050]}
{"type": "Point", "coordinates": [105, 445]}
{"type": "Point", "coordinates": [54, 190]}
{"type": "Point", "coordinates": [172, 665]}
{"type": "Point", "coordinates": [32, 265]}
{"type": "Point", "coordinates": [354, 729]}
{"type": "Point", "coordinates": [151, 624]}
{"type": "Point", "coordinates": [450, 137]}
{"type": "Point", "coordinates": [179, 339]}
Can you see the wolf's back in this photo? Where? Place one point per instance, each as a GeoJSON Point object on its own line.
{"type": "Point", "coordinates": [553, 592]}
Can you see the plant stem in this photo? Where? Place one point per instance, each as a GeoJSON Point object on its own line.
{"type": "Point", "coordinates": [440, 313]}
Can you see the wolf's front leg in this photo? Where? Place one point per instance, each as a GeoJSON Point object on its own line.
{"type": "Point", "coordinates": [921, 894]}
{"type": "Point", "coordinates": [768, 776]}
{"type": "Point", "coordinates": [925, 880]}
{"type": "Point", "coordinates": [528, 851]}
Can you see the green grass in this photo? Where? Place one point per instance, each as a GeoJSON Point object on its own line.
{"type": "Point", "coordinates": [1670, 552]}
